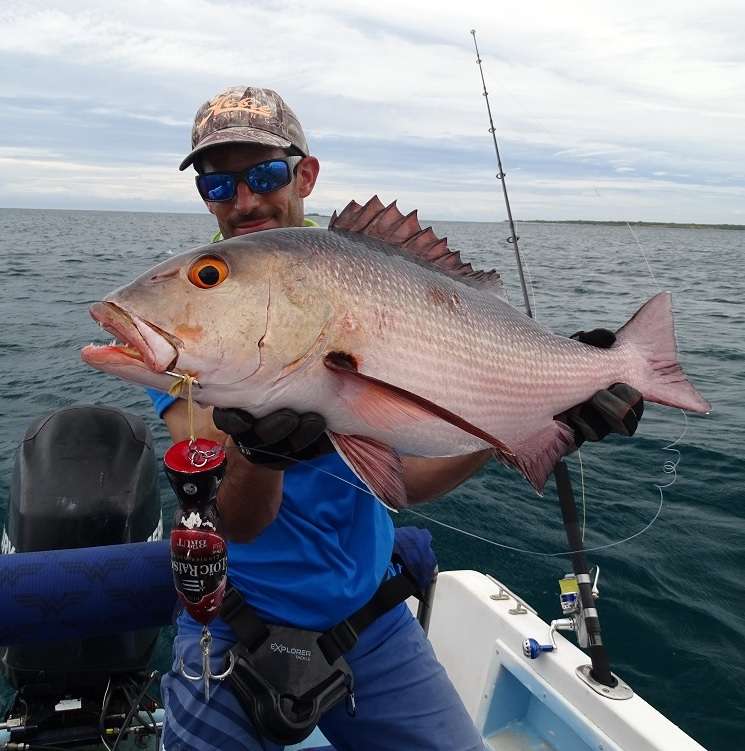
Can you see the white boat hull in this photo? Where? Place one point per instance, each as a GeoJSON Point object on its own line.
{"type": "Point", "coordinates": [521, 704]}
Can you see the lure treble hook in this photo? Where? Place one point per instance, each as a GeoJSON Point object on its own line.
{"type": "Point", "coordinates": [207, 675]}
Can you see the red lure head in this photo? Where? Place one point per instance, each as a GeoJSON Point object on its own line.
{"type": "Point", "coordinates": [192, 457]}
{"type": "Point", "coordinates": [195, 470]}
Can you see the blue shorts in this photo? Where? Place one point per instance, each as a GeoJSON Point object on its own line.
{"type": "Point", "coordinates": [405, 700]}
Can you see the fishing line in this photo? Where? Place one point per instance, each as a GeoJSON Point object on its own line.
{"type": "Point", "coordinates": [669, 467]}
{"type": "Point", "coordinates": [190, 402]}
{"type": "Point", "coordinates": [463, 531]}
{"type": "Point", "coordinates": [538, 552]}
{"type": "Point", "coordinates": [177, 389]}
{"type": "Point", "coordinates": [644, 255]}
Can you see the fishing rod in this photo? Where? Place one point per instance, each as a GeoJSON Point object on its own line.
{"type": "Point", "coordinates": [501, 176]}
{"type": "Point", "coordinates": [585, 618]}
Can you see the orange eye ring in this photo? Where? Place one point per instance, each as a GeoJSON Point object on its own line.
{"type": "Point", "coordinates": [208, 272]}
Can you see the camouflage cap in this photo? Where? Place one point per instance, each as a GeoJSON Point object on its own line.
{"type": "Point", "coordinates": [246, 115]}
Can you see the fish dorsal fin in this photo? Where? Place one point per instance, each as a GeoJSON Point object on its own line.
{"type": "Point", "coordinates": [388, 224]}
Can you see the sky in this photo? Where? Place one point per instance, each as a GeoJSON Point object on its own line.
{"type": "Point", "coordinates": [603, 110]}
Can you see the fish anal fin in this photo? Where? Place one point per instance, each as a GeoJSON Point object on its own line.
{"type": "Point", "coordinates": [376, 464]}
{"type": "Point", "coordinates": [388, 224]}
{"type": "Point", "coordinates": [539, 453]}
{"type": "Point", "coordinates": [383, 405]}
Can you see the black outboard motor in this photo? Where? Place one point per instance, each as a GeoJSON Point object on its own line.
{"type": "Point", "coordinates": [84, 476]}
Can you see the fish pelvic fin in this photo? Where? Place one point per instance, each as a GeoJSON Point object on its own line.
{"type": "Point", "coordinates": [376, 464]}
{"type": "Point", "coordinates": [388, 224]}
{"type": "Point", "coordinates": [651, 332]}
{"type": "Point", "coordinates": [383, 405]}
{"type": "Point", "coordinates": [538, 454]}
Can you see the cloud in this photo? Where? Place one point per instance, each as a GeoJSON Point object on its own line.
{"type": "Point", "coordinates": [71, 184]}
{"type": "Point", "coordinates": [390, 97]}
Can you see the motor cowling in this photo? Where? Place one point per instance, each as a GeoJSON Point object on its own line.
{"type": "Point", "coordinates": [84, 476]}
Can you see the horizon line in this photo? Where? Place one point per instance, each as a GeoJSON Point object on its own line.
{"type": "Point", "coordinates": [613, 222]}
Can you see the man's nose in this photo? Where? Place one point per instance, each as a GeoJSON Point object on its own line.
{"type": "Point", "coordinates": [245, 199]}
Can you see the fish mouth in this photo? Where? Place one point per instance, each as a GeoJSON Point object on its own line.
{"type": "Point", "coordinates": [136, 340]}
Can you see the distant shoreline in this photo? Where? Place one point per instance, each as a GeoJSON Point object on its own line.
{"type": "Point", "coordinates": [313, 214]}
{"type": "Point", "coordinates": [620, 223]}
{"type": "Point", "coordinates": [600, 222]}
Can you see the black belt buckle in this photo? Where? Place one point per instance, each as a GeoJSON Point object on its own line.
{"type": "Point", "coordinates": [231, 603]}
{"type": "Point", "coordinates": [344, 637]}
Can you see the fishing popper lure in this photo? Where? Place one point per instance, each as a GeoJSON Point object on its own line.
{"type": "Point", "coordinates": [199, 557]}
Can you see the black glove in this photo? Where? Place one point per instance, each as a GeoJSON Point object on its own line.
{"type": "Point", "coordinates": [603, 338]}
{"type": "Point", "coordinates": [616, 409]}
{"type": "Point", "coordinates": [285, 434]}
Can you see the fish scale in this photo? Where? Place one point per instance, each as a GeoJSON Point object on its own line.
{"type": "Point", "coordinates": [483, 346]}
{"type": "Point", "coordinates": [379, 327]}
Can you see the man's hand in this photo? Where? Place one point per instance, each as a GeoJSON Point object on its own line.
{"type": "Point", "coordinates": [278, 439]}
{"type": "Point", "coordinates": [616, 409]}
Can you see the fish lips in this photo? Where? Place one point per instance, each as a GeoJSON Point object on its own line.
{"type": "Point", "coordinates": [157, 349]}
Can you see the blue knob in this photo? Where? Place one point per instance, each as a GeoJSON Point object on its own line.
{"type": "Point", "coordinates": [531, 648]}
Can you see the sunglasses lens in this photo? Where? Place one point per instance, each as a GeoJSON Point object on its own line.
{"type": "Point", "coordinates": [216, 187]}
{"type": "Point", "coordinates": [268, 176]}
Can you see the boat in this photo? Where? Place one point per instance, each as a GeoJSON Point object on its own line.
{"type": "Point", "coordinates": [86, 584]}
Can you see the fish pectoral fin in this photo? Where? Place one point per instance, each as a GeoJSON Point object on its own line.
{"type": "Point", "coordinates": [375, 402]}
{"type": "Point", "coordinates": [538, 454]}
{"type": "Point", "coordinates": [383, 405]}
{"type": "Point", "coordinates": [376, 464]}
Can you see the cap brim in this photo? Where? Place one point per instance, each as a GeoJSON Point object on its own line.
{"type": "Point", "coordinates": [236, 135]}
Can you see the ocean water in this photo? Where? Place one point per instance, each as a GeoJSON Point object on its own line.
{"type": "Point", "coordinates": [672, 599]}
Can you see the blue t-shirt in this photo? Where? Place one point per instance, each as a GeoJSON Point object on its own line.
{"type": "Point", "coordinates": [321, 559]}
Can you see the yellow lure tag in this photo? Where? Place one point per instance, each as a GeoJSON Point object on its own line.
{"type": "Point", "coordinates": [177, 387]}
{"type": "Point", "coordinates": [568, 586]}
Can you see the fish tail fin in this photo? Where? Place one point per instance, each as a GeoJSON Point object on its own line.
{"type": "Point", "coordinates": [538, 454]}
{"type": "Point", "coordinates": [651, 333]}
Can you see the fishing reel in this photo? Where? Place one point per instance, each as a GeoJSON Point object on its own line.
{"type": "Point", "coordinates": [574, 620]}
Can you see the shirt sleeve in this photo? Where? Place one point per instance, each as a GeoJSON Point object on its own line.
{"type": "Point", "coordinates": [161, 400]}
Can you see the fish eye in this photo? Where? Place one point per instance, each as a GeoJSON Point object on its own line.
{"type": "Point", "coordinates": [208, 271]}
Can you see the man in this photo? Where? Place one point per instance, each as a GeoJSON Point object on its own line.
{"type": "Point", "coordinates": [306, 547]}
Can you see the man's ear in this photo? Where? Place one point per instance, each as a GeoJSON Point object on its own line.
{"type": "Point", "coordinates": [306, 173]}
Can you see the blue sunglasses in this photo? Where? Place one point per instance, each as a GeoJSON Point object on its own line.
{"type": "Point", "coordinates": [264, 177]}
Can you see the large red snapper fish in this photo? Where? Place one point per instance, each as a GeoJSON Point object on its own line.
{"type": "Point", "coordinates": [378, 326]}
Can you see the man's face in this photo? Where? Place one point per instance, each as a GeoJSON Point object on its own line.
{"type": "Point", "coordinates": [248, 211]}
